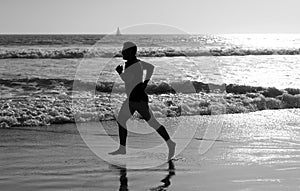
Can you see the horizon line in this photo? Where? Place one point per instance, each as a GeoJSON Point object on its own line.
{"type": "Point", "coordinates": [254, 33]}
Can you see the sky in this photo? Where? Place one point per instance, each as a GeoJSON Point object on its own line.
{"type": "Point", "coordinates": [134, 16]}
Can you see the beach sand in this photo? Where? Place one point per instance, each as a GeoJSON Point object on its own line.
{"type": "Point", "coordinates": [253, 151]}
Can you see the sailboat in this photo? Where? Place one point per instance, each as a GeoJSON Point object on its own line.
{"type": "Point", "coordinates": [118, 32]}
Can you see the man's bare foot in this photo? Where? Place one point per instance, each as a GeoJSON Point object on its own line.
{"type": "Point", "coordinates": [120, 151]}
{"type": "Point", "coordinates": [171, 145]}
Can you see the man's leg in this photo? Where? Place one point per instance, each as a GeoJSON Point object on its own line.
{"type": "Point", "coordinates": [123, 116]}
{"type": "Point", "coordinates": [147, 114]}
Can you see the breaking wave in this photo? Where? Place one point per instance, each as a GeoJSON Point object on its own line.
{"type": "Point", "coordinates": [50, 101]}
{"type": "Point", "coordinates": [58, 53]}
{"type": "Point", "coordinates": [153, 88]}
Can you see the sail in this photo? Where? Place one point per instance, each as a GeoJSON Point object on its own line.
{"type": "Point", "coordinates": [118, 32]}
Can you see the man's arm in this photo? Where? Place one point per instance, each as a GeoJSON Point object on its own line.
{"type": "Point", "coordinates": [120, 71]}
{"type": "Point", "coordinates": [124, 77]}
{"type": "Point", "coordinates": [149, 71]}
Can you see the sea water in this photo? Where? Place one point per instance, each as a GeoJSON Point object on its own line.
{"type": "Point", "coordinates": [267, 60]}
{"type": "Point", "coordinates": [53, 62]}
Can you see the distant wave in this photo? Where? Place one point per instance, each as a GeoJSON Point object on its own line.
{"type": "Point", "coordinates": [57, 53]}
{"type": "Point", "coordinates": [153, 88]}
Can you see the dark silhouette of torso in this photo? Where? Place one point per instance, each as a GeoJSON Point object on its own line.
{"type": "Point", "coordinates": [133, 75]}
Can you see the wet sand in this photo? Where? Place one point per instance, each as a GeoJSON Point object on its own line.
{"type": "Point", "coordinates": [254, 151]}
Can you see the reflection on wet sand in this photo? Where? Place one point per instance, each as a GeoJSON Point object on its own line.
{"type": "Point", "coordinates": [123, 179]}
{"type": "Point", "coordinates": [166, 181]}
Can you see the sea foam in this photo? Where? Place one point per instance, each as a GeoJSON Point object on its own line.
{"type": "Point", "coordinates": [50, 101]}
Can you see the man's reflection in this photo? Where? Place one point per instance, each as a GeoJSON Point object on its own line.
{"type": "Point", "coordinates": [166, 181]}
{"type": "Point", "coordinates": [123, 179]}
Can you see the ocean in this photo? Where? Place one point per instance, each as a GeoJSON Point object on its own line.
{"type": "Point", "coordinates": [48, 65]}
{"type": "Point", "coordinates": [239, 59]}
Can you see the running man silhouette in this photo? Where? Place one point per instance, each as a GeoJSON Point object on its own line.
{"type": "Point", "coordinates": [137, 99]}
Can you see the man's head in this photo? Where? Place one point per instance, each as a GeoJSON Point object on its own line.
{"type": "Point", "coordinates": [129, 50]}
